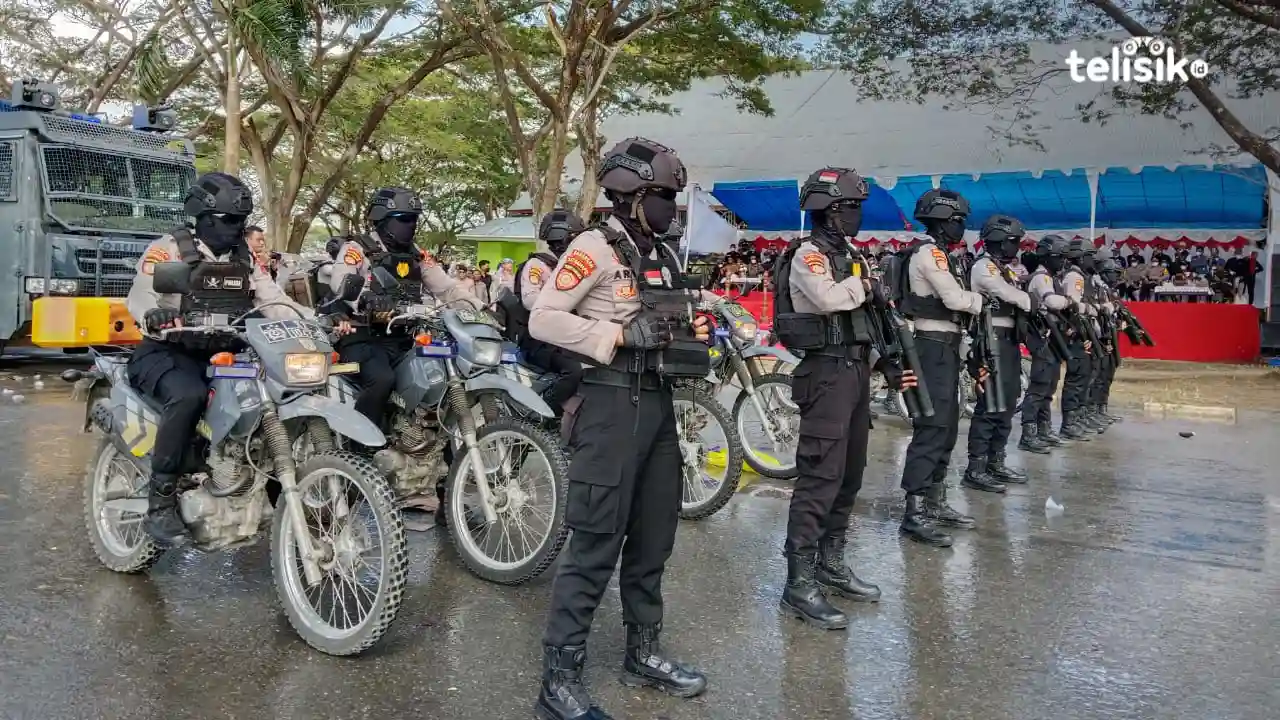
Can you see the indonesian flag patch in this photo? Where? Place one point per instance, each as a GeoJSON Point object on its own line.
{"type": "Point", "coordinates": [654, 278]}
{"type": "Point", "coordinates": [816, 262]}
{"type": "Point", "coordinates": [577, 267]}
{"type": "Point", "coordinates": [829, 177]}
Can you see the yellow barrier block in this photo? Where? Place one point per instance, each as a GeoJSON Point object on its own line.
{"type": "Point", "coordinates": [63, 322]}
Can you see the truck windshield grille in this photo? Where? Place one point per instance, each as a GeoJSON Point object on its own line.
{"type": "Point", "coordinates": [91, 190]}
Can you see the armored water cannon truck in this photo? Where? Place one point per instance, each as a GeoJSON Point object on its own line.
{"type": "Point", "coordinates": [80, 200]}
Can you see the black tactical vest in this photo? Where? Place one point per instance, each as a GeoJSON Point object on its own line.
{"type": "Point", "coordinates": [923, 307]}
{"type": "Point", "coordinates": [404, 266]}
{"type": "Point", "coordinates": [1005, 309]}
{"type": "Point", "coordinates": [217, 286]}
{"type": "Point", "coordinates": [814, 331]}
{"type": "Point", "coordinates": [668, 294]}
{"type": "Point", "coordinates": [514, 315]}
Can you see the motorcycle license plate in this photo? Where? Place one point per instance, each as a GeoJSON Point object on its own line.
{"type": "Point", "coordinates": [240, 370]}
{"type": "Point", "coordinates": [433, 350]}
{"type": "Point", "coordinates": [344, 368]}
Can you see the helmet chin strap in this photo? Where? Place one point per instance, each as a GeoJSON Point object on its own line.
{"type": "Point", "coordinates": [637, 213]}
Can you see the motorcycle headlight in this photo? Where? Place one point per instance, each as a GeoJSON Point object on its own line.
{"type": "Point", "coordinates": [305, 368]}
{"type": "Point", "coordinates": [485, 351]}
{"type": "Point", "coordinates": [744, 330]}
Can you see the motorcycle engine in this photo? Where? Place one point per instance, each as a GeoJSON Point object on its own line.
{"type": "Point", "coordinates": [414, 461]}
{"type": "Point", "coordinates": [233, 519]}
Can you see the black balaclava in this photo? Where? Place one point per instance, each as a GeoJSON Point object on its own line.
{"type": "Point", "coordinates": [947, 231]}
{"type": "Point", "coordinates": [645, 215]}
{"type": "Point", "coordinates": [398, 231]}
{"type": "Point", "coordinates": [841, 220]}
{"type": "Point", "coordinates": [1086, 263]}
{"type": "Point", "coordinates": [221, 232]}
{"type": "Point", "coordinates": [1055, 263]}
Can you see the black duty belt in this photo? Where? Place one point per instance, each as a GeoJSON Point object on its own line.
{"type": "Point", "coordinates": [942, 336]}
{"type": "Point", "coordinates": [844, 352]}
{"type": "Point", "coordinates": [1006, 333]}
{"type": "Point", "coordinates": [621, 378]}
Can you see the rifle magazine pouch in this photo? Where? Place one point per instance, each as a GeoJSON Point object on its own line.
{"type": "Point", "coordinates": [801, 331]}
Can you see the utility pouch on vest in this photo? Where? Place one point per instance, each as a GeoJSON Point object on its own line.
{"type": "Point", "coordinates": [801, 331]}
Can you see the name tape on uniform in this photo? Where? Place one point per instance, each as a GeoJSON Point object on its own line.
{"type": "Point", "coordinates": [577, 267]}
{"type": "Point", "coordinates": [816, 262]}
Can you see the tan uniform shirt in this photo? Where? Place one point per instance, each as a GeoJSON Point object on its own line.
{"type": "Point", "coordinates": [985, 277]}
{"type": "Point", "coordinates": [533, 276]}
{"type": "Point", "coordinates": [143, 297]}
{"type": "Point", "coordinates": [930, 275]}
{"type": "Point", "coordinates": [814, 289]}
{"type": "Point", "coordinates": [1041, 283]}
{"type": "Point", "coordinates": [435, 281]}
{"type": "Point", "coordinates": [591, 295]}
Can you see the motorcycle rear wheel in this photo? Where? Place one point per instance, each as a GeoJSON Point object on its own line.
{"type": "Point", "coordinates": [743, 408]}
{"type": "Point", "coordinates": [392, 560]}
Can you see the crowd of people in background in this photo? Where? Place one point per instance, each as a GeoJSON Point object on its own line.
{"type": "Point", "coordinates": [1227, 278]}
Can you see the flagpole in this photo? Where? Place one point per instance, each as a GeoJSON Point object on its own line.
{"type": "Point", "coordinates": [688, 223]}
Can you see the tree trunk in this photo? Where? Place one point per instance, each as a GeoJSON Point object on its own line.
{"type": "Point", "coordinates": [590, 147]}
{"type": "Point", "coordinates": [545, 194]}
{"type": "Point", "coordinates": [231, 106]}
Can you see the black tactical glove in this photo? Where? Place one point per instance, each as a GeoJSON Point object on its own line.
{"type": "Point", "coordinates": [375, 304]}
{"type": "Point", "coordinates": [892, 373]}
{"type": "Point", "coordinates": [157, 319]}
{"type": "Point", "coordinates": [879, 298]}
{"type": "Point", "coordinates": [973, 364]}
{"type": "Point", "coordinates": [646, 334]}
{"type": "Point", "coordinates": [991, 301]}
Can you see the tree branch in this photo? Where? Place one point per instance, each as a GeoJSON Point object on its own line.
{"type": "Point", "coordinates": [344, 70]}
{"type": "Point", "coordinates": [1242, 8]}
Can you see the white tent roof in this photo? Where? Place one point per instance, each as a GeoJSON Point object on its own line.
{"type": "Point", "coordinates": [503, 228]}
{"type": "Point", "coordinates": [820, 121]}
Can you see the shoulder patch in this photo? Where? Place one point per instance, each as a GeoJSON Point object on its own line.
{"type": "Point", "coordinates": [352, 256]}
{"type": "Point", "coordinates": [153, 255]}
{"type": "Point", "coordinates": [992, 269]}
{"type": "Point", "coordinates": [816, 262]}
{"type": "Point", "coordinates": [939, 258]}
{"type": "Point", "coordinates": [1079, 285]}
{"type": "Point", "coordinates": [577, 267]}
{"type": "Point", "coordinates": [535, 275]}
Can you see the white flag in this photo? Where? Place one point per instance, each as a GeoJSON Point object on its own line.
{"type": "Point", "coordinates": [706, 231]}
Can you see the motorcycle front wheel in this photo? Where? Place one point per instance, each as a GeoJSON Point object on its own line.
{"type": "Point", "coordinates": [359, 536]}
{"type": "Point", "coordinates": [697, 411]}
{"type": "Point", "coordinates": [772, 458]}
{"type": "Point", "coordinates": [528, 478]}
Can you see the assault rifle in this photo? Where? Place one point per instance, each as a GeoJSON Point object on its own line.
{"type": "Point", "coordinates": [895, 343]}
{"type": "Point", "coordinates": [986, 347]}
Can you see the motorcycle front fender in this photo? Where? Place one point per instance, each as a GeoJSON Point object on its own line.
{"type": "Point", "coordinates": [517, 391]}
{"type": "Point", "coordinates": [782, 355]}
{"type": "Point", "coordinates": [342, 419]}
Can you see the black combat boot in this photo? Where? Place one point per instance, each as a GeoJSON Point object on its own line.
{"type": "Point", "coordinates": [834, 575]}
{"type": "Point", "coordinates": [1031, 441]}
{"type": "Point", "coordinates": [1071, 428]}
{"type": "Point", "coordinates": [563, 695]}
{"type": "Point", "coordinates": [1091, 422]}
{"type": "Point", "coordinates": [644, 666]}
{"type": "Point", "coordinates": [163, 521]}
{"type": "Point", "coordinates": [442, 515]}
{"type": "Point", "coordinates": [936, 507]}
{"type": "Point", "coordinates": [803, 598]}
{"type": "Point", "coordinates": [1106, 412]}
{"type": "Point", "coordinates": [976, 477]}
{"type": "Point", "coordinates": [1044, 431]}
{"type": "Point", "coordinates": [917, 525]}
{"type": "Point", "coordinates": [1099, 411]}
{"type": "Point", "coordinates": [997, 469]}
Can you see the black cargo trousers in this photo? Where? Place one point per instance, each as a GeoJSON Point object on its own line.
{"type": "Point", "coordinates": [176, 377]}
{"type": "Point", "coordinates": [625, 490]}
{"type": "Point", "coordinates": [933, 438]}
{"type": "Point", "coordinates": [832, 388]}
{"type": "Point", "coordinates": [1042, 383]}
{"type": "Point", "coordinates": [989, 430]}
{"type": "Point", "coordinates": [378, 356]}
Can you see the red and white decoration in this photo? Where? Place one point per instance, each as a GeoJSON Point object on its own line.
{"type": "Point", "coordinates": [1140, 240]}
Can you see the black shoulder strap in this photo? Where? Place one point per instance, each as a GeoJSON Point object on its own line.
{"type": "Point", "coordinates": [782, 277]}
{"type": "Point", "coordinates": [187, 250]}
{"type": "Point", "coordinates": [368, 243]}
{"type": "Point", "coordinates": [547, 258]}
{"type": "Point", "coordinates": [622, 245]}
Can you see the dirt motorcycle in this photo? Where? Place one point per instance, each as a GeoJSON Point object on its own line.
{"type": "Point", "coordinates": [338, 542]}
{"type": "Point", "coordinates": [506, 479]}
{"type": "Point", "coordinates": [765, 420]}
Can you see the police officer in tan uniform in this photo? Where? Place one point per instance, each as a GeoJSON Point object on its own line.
{"type": "Point", "coordinates": [989, 430]}
{"type": "Point", "coordinates": [1076, 424]}
{"type": "Point", "coordinates": [619, 297]}
{"type": "Point", "coordinates": [393, 214]}
{"type": "Point", "coordinates": [822, 289]}
{"type": "Point", "coordinates": [1037, 406]}
{"type": "Point", "coordinates": [171, 368]}
{"type": "Point", "coordinates": [933, 298]}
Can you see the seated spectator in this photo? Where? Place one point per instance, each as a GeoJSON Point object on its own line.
{"type": "Point", "coordinates": [1132, 279]}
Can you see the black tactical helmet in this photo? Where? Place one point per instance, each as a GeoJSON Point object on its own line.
{"type": "Point", "coordinates": [999, 227]}
{"type": "Point", "coordinates": [1054, 245]}
{"type": "Point", "coordinates": [1075, 249]}
{"type": "Point", "coordinates": [831, 185]}
{"type": "Point", "coordinates": [333, 246]}
{"type": "Point", "coordinates": [1102, 254]}
{"type": "Point", "coordinates": [392, 201]}
{"type": "Point", "coordinates": [218, 192]}
{"type": "Point", "coordinates": [558, 227]}
{"type": "Point", "coordinates": [638, 163]}
{"type": "Point", "coordinates": [941, 205]}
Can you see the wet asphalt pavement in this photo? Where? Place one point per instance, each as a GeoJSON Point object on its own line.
{"type": "Point", "coordinates": [1155, 594]}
